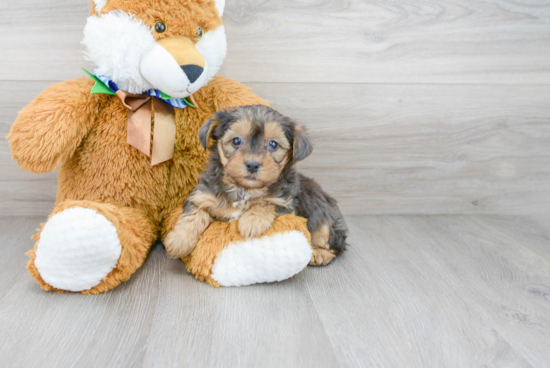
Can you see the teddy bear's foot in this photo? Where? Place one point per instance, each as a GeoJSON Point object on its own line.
{"type": "Point", "coordinates": [77, 249]}
{"type": "Point", "coordinates": [268, 259]}
{"type": "Point", "coordinates": [224, 258]}
{"type": "Point", "coordinates": [89, 247]}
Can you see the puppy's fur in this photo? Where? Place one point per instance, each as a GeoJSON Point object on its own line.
{"type": "Point", "coordinates": [252, 178]}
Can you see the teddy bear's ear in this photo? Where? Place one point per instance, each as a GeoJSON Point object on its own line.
{"type": "Point", "coordinates": [97, 5]}
{"type": "Point", "coordinates": [220, 5]}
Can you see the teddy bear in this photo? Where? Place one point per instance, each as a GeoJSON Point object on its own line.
{"type": "Point", "coordinates": [125, 138]}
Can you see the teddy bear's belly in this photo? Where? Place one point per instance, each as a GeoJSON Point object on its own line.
{"type": "Point", "coordinates": [98, 179]}
{"type": "Point", "coordinates": [106, 169]}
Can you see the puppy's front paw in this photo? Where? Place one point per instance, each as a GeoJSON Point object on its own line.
{"type": "Point", "coordinates": [252, 225]}
{"type": "Point", "coordinates": [185, 236]}
{"type": "Point", "coordinates": [179, 243]}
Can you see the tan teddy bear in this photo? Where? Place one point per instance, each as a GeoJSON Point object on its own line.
{"type": "Point", "coordinates": [126, 139]}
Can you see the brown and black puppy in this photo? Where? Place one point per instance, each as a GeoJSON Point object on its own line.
{"type": "Point", "coordinates": [252, 178]}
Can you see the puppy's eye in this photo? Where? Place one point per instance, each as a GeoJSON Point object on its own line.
{"type": "Point", "coordinates": [200, 33]}
{"type": "Point", "coordinates": [273, 145]}
{"type": "Point", "coordinates": [237, 142]}
{"type": "Point", "coordinates": [160, 27]}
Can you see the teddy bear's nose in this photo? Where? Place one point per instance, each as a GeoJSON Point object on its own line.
{"type": "Point", "coordinates": [193, 72]}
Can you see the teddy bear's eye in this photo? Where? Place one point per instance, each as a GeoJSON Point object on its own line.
{"type": "Point", "coordinates": [200, 33]}
{"type": "Point", "coordinates": [160, 27]}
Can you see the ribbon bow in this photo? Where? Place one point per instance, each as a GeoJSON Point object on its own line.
{"type": "Point", "coordinates": [142, 110]}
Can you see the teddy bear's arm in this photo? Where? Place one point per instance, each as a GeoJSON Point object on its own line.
{"type": "Point", "coordinates": [229, 93]}
{"type": "Point", "coordinates": [50, 128]}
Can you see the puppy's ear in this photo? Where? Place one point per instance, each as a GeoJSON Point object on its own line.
{"type": "Point", "coordinates": [302, 147]}
{"type": "Point", "coordinates": [220, 120]}
{"type": "Point", "coordinates": [205, 133]}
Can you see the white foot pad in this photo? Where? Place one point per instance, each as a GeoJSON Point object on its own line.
{"type": "Point", "coordinates": [267, 259]}
{"type": "Point", "coordinates": [77, 249]}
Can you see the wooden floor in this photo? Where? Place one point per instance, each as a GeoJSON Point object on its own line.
{"type": "Point", "coordinates": [415, 291]}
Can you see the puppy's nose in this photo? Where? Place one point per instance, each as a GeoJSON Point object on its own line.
{"type": "Point", "coordinates": [252, 166]}
{"type": "Point", "coordinates": [193, 72]}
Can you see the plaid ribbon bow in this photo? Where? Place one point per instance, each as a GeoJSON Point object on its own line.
{"type": "Point", "coordinates": [140, 117]}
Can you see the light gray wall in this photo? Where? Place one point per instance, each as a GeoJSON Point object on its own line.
{"type": "Point", "coordinates": [431, 107]}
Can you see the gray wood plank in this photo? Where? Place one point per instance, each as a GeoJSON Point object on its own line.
{"type": "Point", "coordinates": [15, 240]}
{"type": "Point", "coordinates": [380, 308]}
{"type": "Point", "coordinates": [501, 272]}
{"type": "Point", "coordinates": [425, 148]}
{"type": "Point", "coordinates": [496, 41]}
{"type": "Point", "coordinates": [272, 325]}
{"type": "Point", "coordinates": [432, 275]}
{"type": "Point", "coordinates": [393, 149]}
{"type": "Point", "coordinates": [418, 291]}
{"type": "Point", "coordinates": [543, 220]}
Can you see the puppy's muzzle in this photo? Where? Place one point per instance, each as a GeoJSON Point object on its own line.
{"type": "Point", "coordinates": [252, 166]}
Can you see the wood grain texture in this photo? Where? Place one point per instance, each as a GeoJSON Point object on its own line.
{"type": "Point", "coordinates": [453, 270]}
{"type": "Point", "coordinates": [544, 221]}
{"type": "Point", "coordinates": [415, 291]}
{"type": "Point", "coordinates": [394, 149]}
{"type": "Point", "coordinates": [259, 326]}
{"type": "Point", "coordinates": [353, 41]}
{"type": "Point", "coordinates": [433, 107]}
{"type": "Point", "coordinates": [425, 148]}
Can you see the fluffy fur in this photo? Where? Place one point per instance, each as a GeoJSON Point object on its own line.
{"type": "Point", "coordinates": [135, 231]}
{"type": "Point", "coordinates": [116, 43]}
{"type": "Point", "coordinates": [88, 255]}
{"type": "Point", "coordinates": [220, 5]}
{"type": "Point", "coordinates": [269, 259]}
{"type": "Point", "coordinates": [98, 4]}
{"type": "Point", "coordinates": [221, 235]}
{"type": "Point", "coordinates": [251, 177]}
{"type": "Point", "coordinates": [86, 135]}
{"type": "Point", "coordinates": [120, 38]}
{"type": "Point", "coordinates": [213, 46]}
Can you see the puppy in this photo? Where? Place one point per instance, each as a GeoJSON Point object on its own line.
{"type": "Point", "coordinates": [251, 177]}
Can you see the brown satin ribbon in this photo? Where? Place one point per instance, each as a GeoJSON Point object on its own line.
{"type": "Point", "coordinates": [143, 109]}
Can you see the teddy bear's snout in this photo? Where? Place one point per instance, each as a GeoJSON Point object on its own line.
{"type": "Point", "coordinates": [174, 66]}
{"type": "Point", "coordinates": [193, 72]}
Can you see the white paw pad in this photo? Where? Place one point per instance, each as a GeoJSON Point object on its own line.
{"type": "Point", "coordinates": [267, 259]}
{"type": "Point", "coordinates": [77, 249]}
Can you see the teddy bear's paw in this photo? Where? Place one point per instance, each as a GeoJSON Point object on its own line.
{"type": "Point", "coordinates": [266, 259]}
{"type": "Point", "coordinates": [77, 249]}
